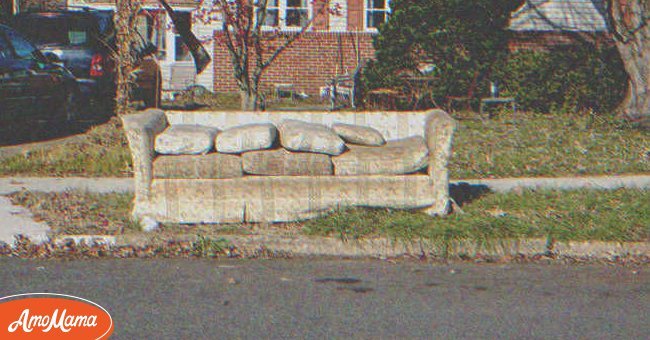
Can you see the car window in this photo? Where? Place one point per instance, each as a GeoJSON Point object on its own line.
{"type": "Point", "coordinates": [5, 51]}
{"type": "Point", "coordinates": [23, 48]}
{"type": "Point", "coordinates": [58, 30]}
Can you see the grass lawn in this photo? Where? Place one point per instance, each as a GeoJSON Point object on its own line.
{"type": "Point", "coordinates": [618, 215]}
{"type": "Point", "coordinates": [581, 215]}
{"type": "Point", "coordinates": [530, 146]}
{"type": "Point", "coordinates": [101, 152]}
{"type": "Point", "coordinates": [549, 145]}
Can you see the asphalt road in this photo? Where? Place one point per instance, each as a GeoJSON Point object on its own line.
{"type": "Point", "coordinates": [210, 299]}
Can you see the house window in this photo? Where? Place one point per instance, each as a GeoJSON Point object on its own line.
{"type": "Point", "coordinates": [272, 13]}
{"type": "Point", "coordinates": [287, 13]}
{"type": "Point", "coordinates": [297, 14]}
{"type": "Point", "coordinates": [182, 52]}
{"type": "Point", "coordinates": [377, 13]}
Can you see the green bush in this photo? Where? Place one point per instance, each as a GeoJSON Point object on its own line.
{"type": "Point", "coordinates": [459, 38]}
{"type": "Point", "coordinates": [566, 79]}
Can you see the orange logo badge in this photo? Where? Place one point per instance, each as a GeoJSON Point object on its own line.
{"type": "Point", "coordinates": [52, 316]}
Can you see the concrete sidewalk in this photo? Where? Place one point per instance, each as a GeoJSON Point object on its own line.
{"type": "Point", "coordinates": [18, 220]}
{"type": "Point", "coordinates": [104, 185]}
{"type": "Point", "coordinates": [563, 183]}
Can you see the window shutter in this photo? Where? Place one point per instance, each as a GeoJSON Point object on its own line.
{"type": "Point", "coordinates": [355, 15]}
{"type": "Point", "coordinates": [321, 22]}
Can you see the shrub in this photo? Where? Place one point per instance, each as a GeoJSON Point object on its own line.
{"type": "Point", "coordinates": [567, 79]}
{"type": "Point", "coordinates": [458, 39]}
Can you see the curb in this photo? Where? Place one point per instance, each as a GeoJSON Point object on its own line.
{"type": "Point", "coordinates": [384, 248]}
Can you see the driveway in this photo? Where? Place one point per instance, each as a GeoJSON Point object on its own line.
{"type": "Point", "coordinates": [31, 134]}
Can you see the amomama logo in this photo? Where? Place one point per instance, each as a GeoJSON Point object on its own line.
{"type": "Point", "coordinates": [52, 316]}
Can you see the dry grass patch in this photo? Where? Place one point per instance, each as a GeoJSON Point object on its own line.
{"type": "Point", "coordinates": [78, 213]}
{"type": "Point", "coordinates": [102, 152]}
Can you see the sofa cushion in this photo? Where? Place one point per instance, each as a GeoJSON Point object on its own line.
{"type": "Point", "coordinates": [395, 157]}
{"type": "Point", "coordinates": [297, 135]}
{"type": "Point", "coordinates": [246, 138]}
{"type": "Point", "coordinates": [185, 140]}
{"type": "Point", "coordinates": [357, 134]}
{"type": "Point", "coordinates": [210, 166]}
{"type": "Point", "coordinates": [285, 163]}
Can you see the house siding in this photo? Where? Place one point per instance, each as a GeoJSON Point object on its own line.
{"type": "Point", "coordinates": [205, 32]}
{"type": "Point", "coordinates": [542, 25]}
{"type": "Point", "coordinates": [546, 41]}
{"type": "Point", "coordinates": [308, 64]}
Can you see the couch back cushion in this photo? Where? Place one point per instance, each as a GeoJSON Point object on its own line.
{"type": "Point", "coordinates": [392, 125]}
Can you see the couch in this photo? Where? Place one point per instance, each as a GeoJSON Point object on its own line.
{"type": "Point", "coordinates": [200, 196]}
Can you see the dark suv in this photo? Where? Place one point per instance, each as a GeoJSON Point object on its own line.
{"type": "Point", "coordinates": [84, 40]}
{"type": "Point", "coordinates": [31, 85]}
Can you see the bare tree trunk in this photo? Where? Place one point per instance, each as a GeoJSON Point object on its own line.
{"type": "Point", "coordinates": [250, 101]}
{"type": "Point", "coordinates": [631, 27]}
{"type": "Point", "coordinates": [126, 11]}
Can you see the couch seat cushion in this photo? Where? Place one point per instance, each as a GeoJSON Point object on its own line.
{"type": "Point", "coordinates": [210, 166]}
{"type": "Point", "coordinates": [246, 138]}
{"type": "Point", "coordinates": [402, 156]}
{"type": "Point", "coordinates": [285, 163]}
{"type": "Point", "coordinates": [297, 135]}
{"type": "Point", "coordinates": [186, 140]}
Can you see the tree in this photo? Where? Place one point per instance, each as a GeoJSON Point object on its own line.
{"type": "Point", "coordinates": [630, 24]}
{"type": "Point", "coordinates": [252, 46]}
{"type": "Point", "coordinates": [129, 46]}
{"type": "Point", "coordinates": [458, 39]}
{"type": "Point", "coordinates": [126, 12]}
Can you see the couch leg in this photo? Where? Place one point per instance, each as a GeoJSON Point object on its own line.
{"type": "Point", "coordinates": [439, 209]}
{"type": "Point", "coordinates": [148, 223]}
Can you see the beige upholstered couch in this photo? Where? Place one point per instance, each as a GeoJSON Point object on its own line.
{"type": "Point", "coordinates": [286, 198]}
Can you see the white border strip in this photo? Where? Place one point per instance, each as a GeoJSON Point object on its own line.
{"type": "Point", "coordinates": [69, 296]}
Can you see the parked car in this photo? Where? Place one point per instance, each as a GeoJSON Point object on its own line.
{"type": "Point", "coordinates": [85, 42]}
{"type": "Point", "coordinates": [33, 86]}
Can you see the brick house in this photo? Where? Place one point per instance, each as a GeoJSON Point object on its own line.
{"type": "Point", "coordinates": [334, 45]}
{"type": "Point", "coordinates": [541, 24]}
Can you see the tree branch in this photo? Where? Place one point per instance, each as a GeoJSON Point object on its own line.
{"type": "Point", "coordinates": [295, 36]}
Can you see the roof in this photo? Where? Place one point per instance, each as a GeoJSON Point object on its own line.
{"type": "Point", "coordinates": [560, 15]}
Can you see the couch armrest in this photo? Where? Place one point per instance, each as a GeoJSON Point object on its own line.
{"type": "Point", "coordinates": [439, 132]}
{"type": "Point", "coordinates": [141, 130]}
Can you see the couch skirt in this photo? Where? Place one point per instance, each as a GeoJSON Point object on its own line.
{"type": "Point", "coordinates": [278, 199]}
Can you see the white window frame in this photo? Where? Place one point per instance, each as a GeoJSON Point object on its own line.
{"type": "Point", "coordinates": [282, 16]}
{"type": "Point", "coordinates": [175, 36]}
{"type": "Point", "coordinates": [367, 9]}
